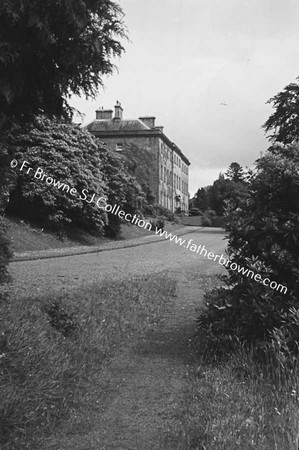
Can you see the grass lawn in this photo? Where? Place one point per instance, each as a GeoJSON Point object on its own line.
{"type": "Point", "coordinates": [51, 350]}
{"type": "Point", "coordinates": [54, 353]}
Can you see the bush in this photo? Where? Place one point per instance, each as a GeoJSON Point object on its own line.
{"type": "Point", "coordinates": [159, 210]}
{"type": "Point", "coordinates": [72, 156]}
{"type": "Point", "coordinates": [158, 223]}
{"type": "Point", "coordinates": [122, 188]}
{"type": "Point", "coordinates": [5, 253]}
{"type": "Point", "coordinates": [263, 237]}
{"type": "Point", "coordinates": [67, 154]}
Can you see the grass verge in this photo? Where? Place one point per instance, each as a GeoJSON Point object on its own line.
{"type": "Point", "coordinates": [235, 400]}
{"type": "Point", "coordinates": [51, 348]}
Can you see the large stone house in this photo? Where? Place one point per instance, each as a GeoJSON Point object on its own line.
{"type": "Point", "coordinates": [159, 163]}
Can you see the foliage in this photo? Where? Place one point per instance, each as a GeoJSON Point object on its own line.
{"type": "Point", "coordinates": [284, 122]}
{"type": "Point", "coordinates": [72, 156]}
{"type": "Point", "coordinates": [50, 49]}
{"type": "Point", "coordinates": [123, 188]}
{"type": "Point", "coordinates": [226, 190]}
{"type": "Point", "coordinates": [229, 187]}
{"type": "Point", "coordinates": [5, 252]}
{"type": "Point", "coordinates": [235, 173]}
{"type": "Point", "coordinates": [5, 182]}
{"type": "Point", "coordinates": [201, 199]}
{"type": "Point", "coordinates": [158, 223]}
{"type": "Point", "coordinates": [208, 218]}
{"type": "Point", "coordinates": [263, 236]}
{"type": "Point", "coordinates": [68, 155]}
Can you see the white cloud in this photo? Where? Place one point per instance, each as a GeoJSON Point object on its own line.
{"type": "Point", "coordinates": [190, 56]}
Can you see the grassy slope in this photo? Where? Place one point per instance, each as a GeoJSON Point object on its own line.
{"type": "Point", "coordinates": [25, 237]}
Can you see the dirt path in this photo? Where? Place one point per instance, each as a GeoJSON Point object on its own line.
{"type": "Point", "coordinates": [139, 404]}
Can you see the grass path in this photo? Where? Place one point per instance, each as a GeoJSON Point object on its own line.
{"type": "Point", "coordinates": [140, 398]}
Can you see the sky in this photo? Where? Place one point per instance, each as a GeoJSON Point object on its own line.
{"type": "Point", "coordinates": [205, 69]}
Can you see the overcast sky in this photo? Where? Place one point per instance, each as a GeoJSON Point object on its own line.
{"type": "Point", "coordinates": [205, 69]}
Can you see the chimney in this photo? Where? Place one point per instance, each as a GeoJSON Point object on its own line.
{"type": "Point", "coordinates": [148, 121]}
{"type": "Point", "coordinates": [118, 115]}
{"type": "Point", "coordinates": [104, 114]}
{"type": "Point", "coordinates": [160, 129]}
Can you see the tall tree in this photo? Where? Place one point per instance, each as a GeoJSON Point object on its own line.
{"type": "Point", "coordinates": [51, 49]}
{"type": "Point", "coordinates": [201, 199]}
{"type": "Point", "coordinates": [284, 122]}
{"type": "Point", "coordinates": [235, 173]}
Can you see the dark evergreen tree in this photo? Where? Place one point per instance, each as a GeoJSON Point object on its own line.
{"type": "Point", "coordinates": [284, 122]}
{"type": "Point", "coordinates": [50, 49]}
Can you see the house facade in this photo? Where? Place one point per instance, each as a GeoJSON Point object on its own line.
{"type": "Point", "coordinates": [160, 164]}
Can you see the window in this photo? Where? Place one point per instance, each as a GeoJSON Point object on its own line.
{"type": "Point", "coordinates": [161, 168]}
{"type": "Point", "coordinates": [119, 147]}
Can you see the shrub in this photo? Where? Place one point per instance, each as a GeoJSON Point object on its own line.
{"type": "Point", "coordinates": [122, 188]}
{"type": "Point", "coordinates": [166, 213]}
{"type": "Point", "coordinates": [158, 223]}
{"type": "Point", "coordinates": [5, 253]}
{"type": "Point", "coordinates": [262, 236]}
{"type": "Point", "coordinates": [68, 155]}
{"type": "Point", "coordinates": [72, 156]}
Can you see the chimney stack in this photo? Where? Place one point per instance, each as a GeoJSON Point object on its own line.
{"type": "Point", "coordinates": [148, 121]}
{"type": "Point", "coordinates": [160, 128]}
{"type": "Point", "coordinates": [104, 114]}
{"type": "Point", "coordinates": [118, 115]}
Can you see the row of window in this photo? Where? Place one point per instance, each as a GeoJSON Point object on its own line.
{"type": "Point", "coordinates": [176, 159]}
{"type": "Point", "coordinates": [185, 168]}
{"type": "Point", "coordinates": [184, 188]}
{"type": "Point", "coordinates": [119, 147]}
{"type": "Point", "coordinates": [177, 182]}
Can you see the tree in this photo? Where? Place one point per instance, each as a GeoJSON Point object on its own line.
{"type": "Point", "coordinates": [263, 237]}
{"type": "Point", "coordinates": [50, 49]}
{"type": "Point", "coordinates": [235, 173]}
{"type": "Point", "coordinates": [123, 188]}
{"type": "Point", "coordinates": [284, 122]}
{"type": "Point", "coordinates": [201, 199]}
{"type": "Point", "coordinates": [223, 191]}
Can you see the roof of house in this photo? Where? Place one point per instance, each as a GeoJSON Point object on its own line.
{"type": "Point", "coordinates": [105, 128]}
{"type": "Point", "coordinates": [117, 125]}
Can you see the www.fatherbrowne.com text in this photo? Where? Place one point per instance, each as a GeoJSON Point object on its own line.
{"type": "Point", "coordinates": [200, 249]}
{"type": "Point", "coordinates": [101, 203]}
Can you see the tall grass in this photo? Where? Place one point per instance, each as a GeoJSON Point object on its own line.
{"type": "Point", "coordinates": [50, 347]}
{"type": "Point", "coordinates": [242, 399]}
